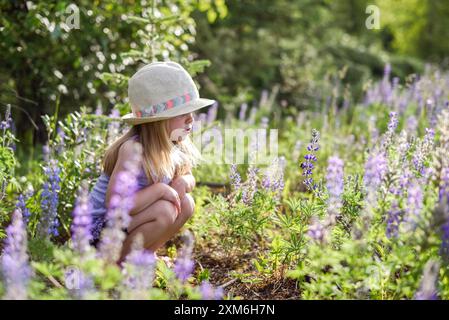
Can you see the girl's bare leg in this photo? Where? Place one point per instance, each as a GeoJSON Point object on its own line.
{"type": "Point", "coordinates": [157, 224]}
{"type": "Point", "coordinates": [152, 222]}
{"type": "Point", "coordinates": [187, 209]}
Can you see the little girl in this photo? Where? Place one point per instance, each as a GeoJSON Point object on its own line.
{"type": "Point", "coordinates": [163, 97]}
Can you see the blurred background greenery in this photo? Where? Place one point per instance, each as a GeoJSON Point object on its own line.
{"type": "Point", "coordinates": [300, 50]}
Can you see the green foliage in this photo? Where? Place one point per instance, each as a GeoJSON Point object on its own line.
{"type": "Point", "coordinates": [239, 225]}
{"type": "Point", "coordinates": [108, 42]}
{"type": "Point", "coordinates": [78, 147]}
{"type": "Point", "coordinates": [8, 163]}
{"type": "Point", "coordinates": [417, 28]}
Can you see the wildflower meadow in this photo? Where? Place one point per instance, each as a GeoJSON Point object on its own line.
{"type": "Point", "coordinates": [354, 204]}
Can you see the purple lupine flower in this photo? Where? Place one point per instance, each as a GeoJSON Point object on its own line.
{"type": "Point", "coordinates": [114, 113]}
{"type": "Point", "coordinates": [266, 181]}
{"type": "Point", "coordinates": [60, 146]}
{"type": "Point", "coordinates": [212, 113]}
{"type": "Point", "coordinates": [82, 223]}
{"type": "Point", "coordinates": [122, 201]}
{"type": "Point", "coordinates": [235, 177]}
{"type": "Point", "coordinates": [385, 86]}
{"type": "Point", "coordinates": [367, 100]}
{"type": "Point", "coordinates": [414, 203]}
{"type": "Point", "coordinates": [214, 133]}
{"type": "Point", "coordinates": [444, 249]}
{"type": "Point", "coordinates": [429, 136]}
{"type": "Point", "coordinates": [307, 165]}
{"type": "Point", "coordinates": [6, 124]}
{"type": "Point", "coordinates": [184, 265]}
{"type": "Point", "coordinates": [402, 105]}
{"type": "Point", "coordinates": [46, 152]}
{"type": "Point", "coordinates": [278, 183]}
{"type": "Point", "coordinates": [334, 181]}
{"type": "Point", "coordinates": [403, 146]}
{"type": "Point", "coordinates": [264, 122]}
{"type": "Point", "coordinates": [393, 123]}
{"type": "Point", "coordinates": [79, 284]}
{"type": "Point", "coordinates": [402, 183]}
{"type": "Point", "coordinates": [387, 70]}
{"type": "Point", "coordinates": [273, 179]}
{"type": "Point", "coordinates": [250, 187]}
{"type": "Point", "coordinates": [423, 150]}
{"type": "Point", "coordinates": [429, 103]}
{"type": "Point", "coordinates": [374, 132]}
{"type": "Point", "coordinates": [99, 110]}
{"type": "Point", "coordinates": [242, 112]}
{"type": "Point", "coordinates": [139, 272]}
{"type": "Point", "coordinates": [395, 83]}
{"type": "Point", "coordinates": [15, 268]}
{"type": "Point", "coordinates": [21, 204]}
{"type": "Point", "coordinates": [317, 230]}
{"type": "Point", "coordinates": [208, 292]}
{"type": "Point", "coordinates": [113, 126]}
{"type": "Point", "coordinates": [393, 221]}
{"type": "Point", "coordinates": [61, 133]}
{"type": "Point", "coordinates": [443, 192]}
{"type": "Point", "coordinates": [419, 101]}
{"type": "Point", "coordinates": [428, 288]}
{"type": "Point", "coordinates": [254, 148]}
{"type": "Point", "coordinates": [375, 170]}
{"type": "Point", "coordinates": [50, 198]}
{"type": "Point", "coordinates": [196, 125]}
{"type": "Point", "coordinates": [389, 134]}
{"type": "Point", "coordinates": [202, 117]}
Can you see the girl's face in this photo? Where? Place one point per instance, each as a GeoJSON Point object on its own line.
{"type": "Point", "coordinates": [179, 127]}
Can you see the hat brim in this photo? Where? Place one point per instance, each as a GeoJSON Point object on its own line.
{"type": "Point", "coordinates": [191, 106]}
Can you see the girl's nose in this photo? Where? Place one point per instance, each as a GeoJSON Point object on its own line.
{"type": "Point", "coordinates": [189, 117]}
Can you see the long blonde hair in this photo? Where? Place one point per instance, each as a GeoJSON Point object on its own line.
{"type": "Point", "coordinates": [161, 156]}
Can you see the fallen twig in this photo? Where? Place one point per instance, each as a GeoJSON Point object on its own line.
{"type": "Point", "coordinates": [228, 283]}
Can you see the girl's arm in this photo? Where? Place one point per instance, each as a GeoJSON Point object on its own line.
{"type": "Point", "coordinates": [145, 197]}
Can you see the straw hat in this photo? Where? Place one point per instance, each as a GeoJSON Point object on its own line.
{"type": "Point", "coordinates": [162, 90]}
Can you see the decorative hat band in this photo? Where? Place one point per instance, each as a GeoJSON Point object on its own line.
{"type": "Point", "coordinates": [169, 104]}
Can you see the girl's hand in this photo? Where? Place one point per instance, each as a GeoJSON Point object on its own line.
{"type": "Point", "coordinates": [180, 185]}
{"type": "Point", "coordinates": [170, 194]}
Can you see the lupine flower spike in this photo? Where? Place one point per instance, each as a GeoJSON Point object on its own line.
{"type": "Point", "coordinates": [184, 264]}
{"type": "Point", "coordinates": [122, 201]}
{"type": "Point", "coordinates": [208, 292]}
{"type": "Point", "coordinates": [50, 198]}
{"type": "Point", "coordinates": [15, 267]}
{"type": "Point", "coordinates": [139, 271]}
{"type": "Point", "coordinates": [428, 289]}
{"type": "Point", "coordinates": [307, 166]}
{"type": "Point", "coordinates": [335, 185]}
{"type": "Point", "coordinates": [82, 223]}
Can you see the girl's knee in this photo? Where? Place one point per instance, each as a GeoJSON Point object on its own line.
{"type": "Point", "coordinates": [161, 212]}
{"type": "Point", "coordinates": [167, 213]}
